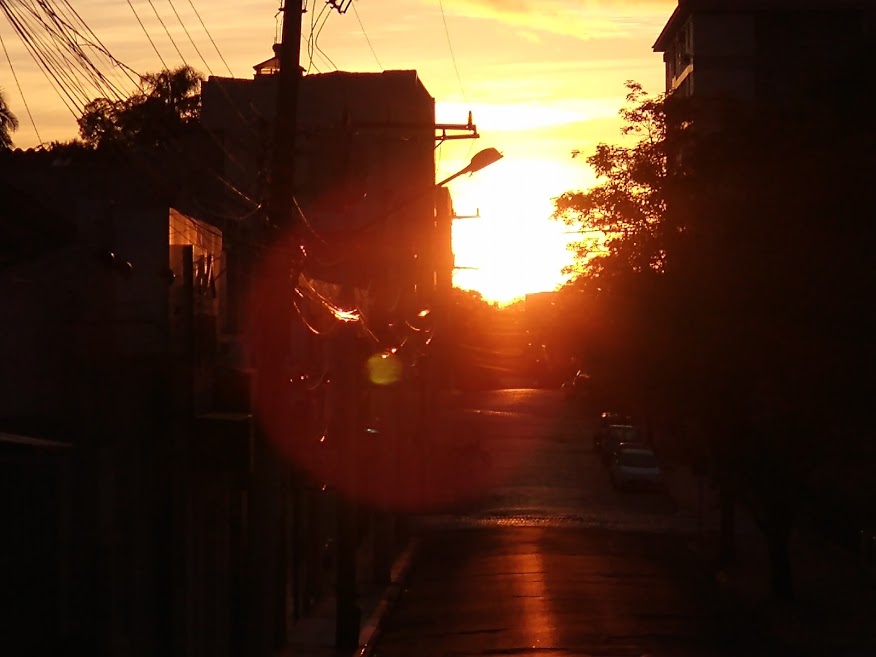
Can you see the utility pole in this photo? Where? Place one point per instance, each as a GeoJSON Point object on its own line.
{"type": "Point", "coordinates": [288, 53]}
{"type": "Point", "coordinates": [443, 262]}
{"type": "Point", "coordinates": [345, 374]}
{"type": "Point", "coordinates": [270, 489]}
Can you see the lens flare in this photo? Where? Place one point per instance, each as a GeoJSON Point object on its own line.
{"type": "Point", "coordinates": [385, 369]}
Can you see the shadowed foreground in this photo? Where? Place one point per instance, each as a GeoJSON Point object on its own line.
{"type": "Point", "coordinates": [563, 591]}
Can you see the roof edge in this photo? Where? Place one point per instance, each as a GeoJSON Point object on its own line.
{"type": "Point", "coordinates": [681, 12]}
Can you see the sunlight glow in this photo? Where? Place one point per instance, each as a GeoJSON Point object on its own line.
{"type": "Point", "coordinates": [540, 78]}
{"type": "Point", "coordinates": [514, 248]}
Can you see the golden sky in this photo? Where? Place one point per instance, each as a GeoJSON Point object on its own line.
{"type": "Point", "coordinates": [542, 77]}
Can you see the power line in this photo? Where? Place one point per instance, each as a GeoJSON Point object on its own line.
{"type": "Point", "coordinates": [452, 54]}
{"type": "Point", "coordinates": [38, 57]}
{"type": "Point", "coordinates": [314, 20]}
{"type": "Point", "coordinates": [188, 34]}
{"type": "Point", "coordinates": [167, 32]}
{"type": "Point", "coordinates": [47, 52]}
{"type": "Point", "coordinates": [368, 40]}
{"type": "Point", "coordinates": [52, 52]}
{"type": "Point", "coordinates": [94, 41]}
{"type": "Point", "coordinates": [65, 17]}
{"type": "Point", "coordinates": [66, 38]}
{"type": "Point", "coordinates": [146, 32]}
{"type": "Point", "coordinates": [316, 41]}
{"type": "Point", "coordinates": [20, 92]}
{"type": "Point", "coordinates": [210, 36]}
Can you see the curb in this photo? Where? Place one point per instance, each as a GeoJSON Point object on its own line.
{"type": "Point", "coordinates": [371, 630]}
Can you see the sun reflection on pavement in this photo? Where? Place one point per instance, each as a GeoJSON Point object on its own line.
{"type": "Point", "coordinates": [537, 618]}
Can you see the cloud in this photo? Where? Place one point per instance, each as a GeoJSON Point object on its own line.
{"type": "Point", "coordinates": [589, 19]}
{"type": "Point", "coordinates": [544, 6]}
{"type": "Point", "coordinates": [525, 117]}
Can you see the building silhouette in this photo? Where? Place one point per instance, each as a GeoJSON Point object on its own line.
{"type": "Point", "coordinates": [767, 50]}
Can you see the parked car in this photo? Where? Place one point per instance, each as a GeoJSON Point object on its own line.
{"type": "Point", "coordinates": [606, 440]}
{"type": "Point", "coordinates": [635, 465]}
{"type": "Point", "coordinates": [609, 418]}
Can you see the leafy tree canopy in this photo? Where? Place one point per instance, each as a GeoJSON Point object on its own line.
{"type": "Point", "coordinates": [8, 124]}
{"type": "Point", "coordinates": [167, 106]}
{"type": "Point", "coordinates": [730, 290]}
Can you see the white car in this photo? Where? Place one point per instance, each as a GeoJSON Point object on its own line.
{"type": "Point", "coordinates": [635, 466]}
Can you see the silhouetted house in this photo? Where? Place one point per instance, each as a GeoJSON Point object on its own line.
{"type": "Point", "coordinates": [769, 50]}
{"type": "Point", "coordinates": [364, 200]}
{"type": "Point", "coordinates": [112, 302]}
{"type": "Point", "coordinates": [364, 157]}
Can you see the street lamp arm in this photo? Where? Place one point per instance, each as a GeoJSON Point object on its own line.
{"type": "Point", "coordinates": [453, 177]}
{"type": "Point", "coordinates": [480, 161]}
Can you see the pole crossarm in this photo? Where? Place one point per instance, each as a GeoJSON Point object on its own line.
{"type": "Point", "coordinates": [443, 131]}
{"type": "Point", "coordinates": [468, 131]}
{"type": "Point", "coordinates": [340, 5]}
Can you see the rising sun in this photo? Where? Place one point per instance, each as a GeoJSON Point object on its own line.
{"type": "Point", "coordinates": [514, 248]}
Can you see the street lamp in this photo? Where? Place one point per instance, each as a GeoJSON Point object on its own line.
{"type": "Point", "coordinates": [480, 161]}
{"type": "Point", "coordinates": [444, 265]}
{"type": "Point", "coordinates": [443, 252]}
{"type": "Point", "coordinates": [444, 219]}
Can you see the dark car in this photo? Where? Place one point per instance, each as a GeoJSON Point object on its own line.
{"type": "Point", "coordinates": [606, 420]}
{"type": "Point", "coordinates": [635, 466]}
{"type": "Point", "coordinates": [614, 435]}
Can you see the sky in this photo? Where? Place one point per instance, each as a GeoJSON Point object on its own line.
{"type": "Point", "coordinates": [541, 77]}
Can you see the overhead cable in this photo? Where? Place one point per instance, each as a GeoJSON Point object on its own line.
{"type": "Point", "coordinates": [210, 36]}
{"type": "Point", "coordinates": [316, 41]}
{"type": "Point", "coordinates": [452, 54]}
{"type": "Point", "coordinates": [148, 36]}
{"type": "Point", "coordinates": [367, 39]}
{"type": "Point", "coordinates": [20, 92]}
{"type": "Point", "coordinates": [191, 40]}
{"type": "Point", "coordinates": [167, 32]}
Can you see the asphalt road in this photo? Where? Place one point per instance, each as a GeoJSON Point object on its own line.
{"type": "Point", "coordinates": [526, 456]}
{"type": "Point", "coordinates": [543, 557]}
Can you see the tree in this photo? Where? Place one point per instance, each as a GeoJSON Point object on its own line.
{"type": "Point", "coordinates": [470, 329]}
{"type": "Point", "coordinates": [721, 304]}
{"type": "Point", "coordinates": [167, 106]}
{"type": "Point", "coordinates": [8, 124]}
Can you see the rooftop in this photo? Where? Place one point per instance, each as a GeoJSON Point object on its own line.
{"type": "Point", "coordinates": [687, 7]}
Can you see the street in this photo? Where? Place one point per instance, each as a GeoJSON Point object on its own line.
{"type": "Point", "coordinates": [549, 559]}
{"type": "Point", "coordinates": [536, 450]}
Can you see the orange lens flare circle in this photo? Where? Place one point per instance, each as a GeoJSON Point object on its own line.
{"type": "Point", "coordinates": [406, 456]}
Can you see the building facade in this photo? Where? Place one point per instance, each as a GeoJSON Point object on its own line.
{"type": "Point", "coordinates": [364, 159]}
{"type": "Point", "coordinates": [109, 344]}
{"type": "Point", "coordinates": [770, 50]}
{"type": "Point", "coordinates": [365, 207]}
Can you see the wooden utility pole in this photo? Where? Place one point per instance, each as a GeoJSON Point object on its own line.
{"type": "Point", "coordinates": [270, 490]}
{"type": "Point", "coordinates": [345, 373]}
{"type": "Point", "coordinates": [288, 53]}
{"type": "Point", "coordinates": [345, 426]}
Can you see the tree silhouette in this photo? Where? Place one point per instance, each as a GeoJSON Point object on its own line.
{"type": "Point", "coordinates": [168, 106]}
{"type": "Point", "coordinates": [724, 305]}
{"type": "Point", "coordinates": [8, 124]}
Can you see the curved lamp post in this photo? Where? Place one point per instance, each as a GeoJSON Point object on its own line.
{"type": "Point", "coordinates": [479, 161]}
{"type": "Point", "coordinates": [444, 266]}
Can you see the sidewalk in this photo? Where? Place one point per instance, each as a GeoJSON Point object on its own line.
{"type": "Point", "coordinates": [314, 636]}
{"type": "Point", "coordinates": [834, 613]}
